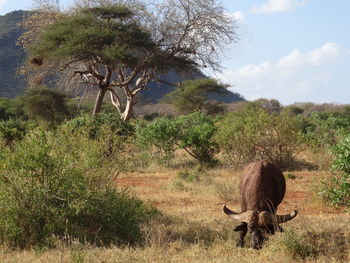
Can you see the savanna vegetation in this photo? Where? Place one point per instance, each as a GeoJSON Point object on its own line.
{"type": "Point", "coordinates": [97, 189]}
{"type": "Point", "coordinates": [89, 181]}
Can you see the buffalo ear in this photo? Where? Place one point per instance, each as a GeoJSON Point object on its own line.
{"type": "Point", "coordinates": [241, 227]}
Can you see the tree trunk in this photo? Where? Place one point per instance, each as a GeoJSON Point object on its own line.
{"type": "Point", "coordinates": [98, 101]}
{"type": "Point", "coordinates": [128, 108]}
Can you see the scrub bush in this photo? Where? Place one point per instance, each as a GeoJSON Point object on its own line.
{"type": "Point", "coordinates": [254, 134]}
{"type": "Point", "coordinates": [52, 188]}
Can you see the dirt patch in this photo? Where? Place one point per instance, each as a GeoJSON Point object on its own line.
{"type": "Point", "coordinates": [155, 187]}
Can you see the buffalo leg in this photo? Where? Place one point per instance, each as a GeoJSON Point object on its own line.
{"type": "Point", "coordinates": [242, 229]}
{"type": "Point", "coordinates": [257, 239]}
{"type": "Point", "coordinates": [270, 229]}
{"type": "Point", "coordinates": [280, 229]}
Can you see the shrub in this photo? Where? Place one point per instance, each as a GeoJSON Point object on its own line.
{"type": "Point", "coordinates": [13, 130]}
{"type": "Point", "coordinates": [314, 241]}
{"type": "Point", "coordinates": [325, 129]}
{"type": "Point", "coordinates": [48, 191]}
{"type": "Point", "coordinates": [93, 124]}
{"type": "Point", "coordinates": [336, 189]}
{"type": "Point", "coordinates": [194, 133]}
{"type": "Point", "coordinates": [269, 106]}
{"type": "Point", "coordinates": [196, 136]}
{"type": "Point", "coordinates": [253, 134]}
{"type": "Point", "coordinates": [9, 109]}
{"type": "Point", "coordinates": [44, 104]}
{"type": "Point", "coordinates": [158, 138]}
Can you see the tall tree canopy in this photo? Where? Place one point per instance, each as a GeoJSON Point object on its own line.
{"type": "Point", "coordinates": [117, 46]}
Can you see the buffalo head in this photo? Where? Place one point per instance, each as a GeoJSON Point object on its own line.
{"type": "Point", "coordinates": [258, 223]}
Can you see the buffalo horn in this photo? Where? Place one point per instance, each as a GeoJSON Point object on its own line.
{"type": "Point", "coordinates": [238, 216]}
{"type": "Point", "coordinates": [286, 218]}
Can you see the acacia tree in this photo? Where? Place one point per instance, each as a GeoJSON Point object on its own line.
{"type": "Point", "coordinates": [114, 47]}
{"type": "Point", "coordinates": [195, 95]}
{"type": "Point", "coordinates": [44, 104]}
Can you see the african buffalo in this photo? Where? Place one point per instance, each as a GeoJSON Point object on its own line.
{"type": "Point", "coordinates": [262, 189]}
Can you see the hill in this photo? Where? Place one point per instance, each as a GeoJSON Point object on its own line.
{"type": "Point", "coordinates": [12, 56]}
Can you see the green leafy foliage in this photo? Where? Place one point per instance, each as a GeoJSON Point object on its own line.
{"type": "Point", "coordinates": [159, 137]}
{"type": "Point", "coordinates": [94, 125]}
{"type": "Point", "coordinates": [196, 136]}
{"type": "Point", "coordinates": [10, 109]}
{"type": "Point", "coordinates": [325, 128]}
{"type": "Point", "coordinates": [59, 186]}
{"type": "Point", "coordinates": [44, 104]}
{"type": "Point", "coordinates": [13, 130]}
{"type": "Point", "coordinates": [195, 95]}
{"type": "Point", "coordinates": [194, 133]}
{"type": "Point", "coordinates": [270, 106]}
{"type": "Point", "coordinates": [322, 131]}
{"type": "Point", "coordinates": [106, 33]}
{"type": "Point", "coordinates": [254, 134]}
{"type": "Point", "coordinates": [336, 190]}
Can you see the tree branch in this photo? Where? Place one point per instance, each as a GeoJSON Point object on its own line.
{"type": "Point", "coordinates": [115, 100]}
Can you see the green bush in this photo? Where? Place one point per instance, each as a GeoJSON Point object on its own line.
{"type": "Point", "coordinates": [9, 109]}
{"type": "Point", "coordinates": [12, 130]}
{"type": "Point", "coordinates": [53, 189]}
{"type": "Point", "coordinates": [336, 190]}
{"type": "Point", "coordinates": [194, 133]}
{"type": "Point", "coordinates": [323, 130]}
{"type": "Point", "coordinates": [44, 104]}
{"type": "Point", "coordinates": [196, 136]}
{"type": "Point", "coordinates": [254, 134]}
{"type": "Point", "coordinates": [93, 124]}
{"type": "Point", "coordinates": [158, 138]}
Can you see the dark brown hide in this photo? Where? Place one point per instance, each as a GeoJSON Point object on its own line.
{"type": "Point", "coordinates": [262, 187]}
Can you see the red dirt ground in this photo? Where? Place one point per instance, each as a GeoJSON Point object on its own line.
{"type": "Point", "coordinates": [298, 195]}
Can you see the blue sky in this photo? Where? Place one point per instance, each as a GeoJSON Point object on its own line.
{"type": "Point", "coordinates": [289, 50]}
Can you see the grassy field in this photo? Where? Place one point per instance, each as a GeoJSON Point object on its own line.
{"type": "Point", "coordinates": [194, 228]}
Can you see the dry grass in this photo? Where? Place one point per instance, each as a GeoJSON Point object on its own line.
{"type": "Point", "coordinates": [194, 229]}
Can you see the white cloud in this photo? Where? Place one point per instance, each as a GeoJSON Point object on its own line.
{"type": "Point", "coordinates": [2, 3]}
{"type": "Point", "coordinates": [277, 6]}
{"type": "Point", "coordinates": [316, 57]}
{"type": "Point", "coordinates": [252, 70]}
{"type": "Point", "coordinates": [238, 16]}
{"type": "Point", "coordinates": [294, 77]}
